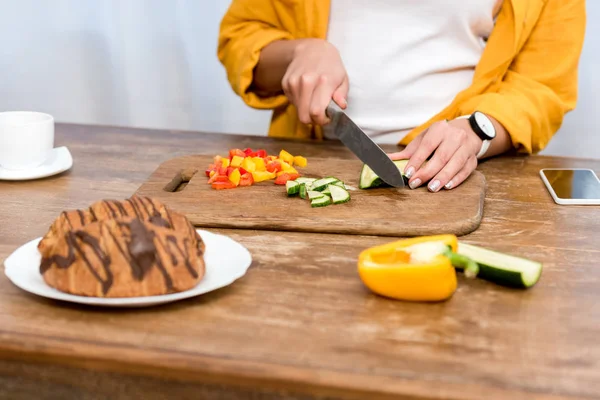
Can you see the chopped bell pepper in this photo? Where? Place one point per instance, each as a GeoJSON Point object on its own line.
{"type": "Point", "coordinates": [246, 179]}
{"type": "Point", "coordinates": [287, 157]}
{"type": "Point", "coordinates": [300, 161]}
{"type": "Point", "coordinates": [236, 161]}
{"type": "Point", "coordinates": [225, 162]}
{"type": "Point", "coordinates": [259, 164]}
{"type": "Point", "coordinates": [218, 178]}
{"type": "Point", "coordinates": [236, 152]}
{"type": "Point", "coordinates": [261, 153]}
{"type": "Point", "coordinates": [235, 177]}
{"type": "Point", "coordinates": [274, 166]}
{"type": "Point", "coordinates": [260, 176]}
{"type": "Point", "coordinates": [248, 164]}
{"type": "Point", "coordinates": [249, 152]}
{"type": "Point", "coordinates": [284, 177]}
{"type": "Point", "coordinates": [414, 269]}
{"type": "Point", "coordinates": [223, 185]}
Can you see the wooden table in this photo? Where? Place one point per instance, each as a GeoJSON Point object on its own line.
{"type": "Point", "coordinates": [300, 324]}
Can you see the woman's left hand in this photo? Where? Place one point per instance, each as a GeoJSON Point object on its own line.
{"type": "Point", "coordinates": [455, 146]}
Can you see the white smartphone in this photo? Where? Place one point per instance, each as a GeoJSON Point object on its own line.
{"type": "Point", "coordinates": [572, 186]}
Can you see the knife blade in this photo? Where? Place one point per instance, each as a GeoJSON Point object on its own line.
{"type": "Point", "coordinates": [363, 146]}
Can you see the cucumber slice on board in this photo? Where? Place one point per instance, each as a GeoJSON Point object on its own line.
{"type": "Point", "coordinates": [321, 184]}
{"type": "Point", "coordinates": [303, 191]}
{"type": "Point", "coordinates": [503, 269]}
{"type": "Point", "coordinates": [369, 179]}
{"type": "Point", "coordinates": [292, 187]}
{"type": "Point", "coordinates": [307, 181]}
{"type": "Point", "coordinates": [327, 190]}
{"type": "Point", "coordinates": [339, 195]}
{"type": "Point", "coordinates": [321, 201]}
{"type": "Point", "coordinates": [313, 194]}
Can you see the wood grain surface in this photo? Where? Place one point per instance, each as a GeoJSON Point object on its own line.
{"type": "Point", "coordinates": [266, 205]}
{"type": "Point", "coordinates": [300, 324]}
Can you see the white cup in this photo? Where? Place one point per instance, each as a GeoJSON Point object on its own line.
{"type": "Point", "coordinates": [26, 139]}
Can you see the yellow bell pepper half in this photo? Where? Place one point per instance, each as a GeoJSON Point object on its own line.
{"type": "Point", "coordinates": [412, 269]}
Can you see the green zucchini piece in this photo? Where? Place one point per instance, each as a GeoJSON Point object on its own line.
{"type": "Point", "coordinates": [503, 269]}
{"type": "Point", "coordinates": [369, 179]}
{"type": "Point", "coordinates": [339, 195]}
{"type": "Point", "coordinates": [321, 201]}
{"type": "Point", "coordinates": [463, 262]}
{"type": "Point", "coordinates": [292, 188]}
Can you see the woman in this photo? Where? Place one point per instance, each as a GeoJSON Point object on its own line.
{"type": "Point", "coordinates": [460, 79]}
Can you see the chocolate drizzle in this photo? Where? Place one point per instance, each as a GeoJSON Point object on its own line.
{"type": "Point", "coordinates": [73, 246]}
{"type": "Point", "coordinates": [135, 239]}
{"type": "Point", "coordinates": [81, 217]}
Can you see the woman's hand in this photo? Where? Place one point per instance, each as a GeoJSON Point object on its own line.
{"type": "Point", "coordinates": [455, 146]}
{"type": "Point", "coordinates": [315, 76]}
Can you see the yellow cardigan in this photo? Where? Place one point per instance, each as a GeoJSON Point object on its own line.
{"type": "Point", "coordinates": [526, 78]}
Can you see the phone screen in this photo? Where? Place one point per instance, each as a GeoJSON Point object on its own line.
{"type": "Point", "coordinates": [574, 183]}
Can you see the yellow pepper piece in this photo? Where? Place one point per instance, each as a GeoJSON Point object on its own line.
{"type": "Point", "coordinates": [411, 269]}
{"type": "Point", "coordinates": [236, 161]}
{"type": "Point", "coordinates": [300, 161]}
{"type": "Point", "coordinates": [235, 177]}
{"type": "Point", "coordinates": [287, 157]}
{"type": "Point", "coordinates": [285, 167]}
{"type": "Point", "coordinates": [248, 164]}
{"type": "Point", "coordinates": [259, 163]}
{"type": "Point", "coordinates": [225, 162]}
{"type": "Point", "coordinates": [260, 176]}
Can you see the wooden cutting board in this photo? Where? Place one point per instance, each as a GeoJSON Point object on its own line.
{"type": "Point", "coordinates": [181, 184]}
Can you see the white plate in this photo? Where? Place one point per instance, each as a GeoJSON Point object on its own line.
{"type": "Point", "coordinates": [226, 261]}
{"type": "Point", "coordinates": [60, 160]}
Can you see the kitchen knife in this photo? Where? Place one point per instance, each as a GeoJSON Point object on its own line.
{"type": "Point", "coordinates": [363, 146]}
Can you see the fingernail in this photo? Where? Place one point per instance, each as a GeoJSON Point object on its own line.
{"type": "Point", "coordinates": [448, 185]}
{"type": "Point", "coordinates": [433, 186]}
{"type": "Point", "coordinates": [409, 172]}
{"type": "Point", "coordinates": [415, 184]}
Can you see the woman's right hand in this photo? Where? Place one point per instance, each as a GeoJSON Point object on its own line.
{"type": "Point", "coordinates": [315, 76]}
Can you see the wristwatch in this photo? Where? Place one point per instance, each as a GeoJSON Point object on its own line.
{"type": "Point", "coordinates": [483, 127]}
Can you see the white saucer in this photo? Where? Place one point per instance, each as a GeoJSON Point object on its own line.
{"type": "Point", "coordinates": [60, 160]}
{"type": "Point", "coordinates": [226, 261]}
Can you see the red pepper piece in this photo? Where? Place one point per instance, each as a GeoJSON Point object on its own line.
{"type": "Point", "coordinates": [246, 179]}
{"type": "Point", "coordinates": [223, 185]}
{"type": "Point", "coordinates": [283, 178]}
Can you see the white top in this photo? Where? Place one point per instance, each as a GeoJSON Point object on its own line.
{"type": "Point", "coordinates": [406, 59]}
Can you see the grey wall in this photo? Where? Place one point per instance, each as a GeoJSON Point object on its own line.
{"type": "Point", "coordinates": [152, 63]}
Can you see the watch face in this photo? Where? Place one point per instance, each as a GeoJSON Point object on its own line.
{"type": "Point", "coordinates": [485, 124]}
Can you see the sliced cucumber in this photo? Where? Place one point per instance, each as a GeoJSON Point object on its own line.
{"type": "Point", "coordinates": [327, 190]}
{"type": "Point", "coordinates": [340, 184]}
{"type": "Point", "coordinates": [339, 195]}
{"type": "Point", "coordinates": [313, 194]}
{"type": "Point", "coordinates": [321, 184]}
{"type": "Point", "coordinates": [307, 181]}
{"type": "Point", "coordinates": [369, 179]}
{"type": "Point", "coordinates": [303, 191]}
{"type": "Point", "coordinates": [292, 187]}
{"type": "Point", "coordinates": [321, 201]}
{"type": "Point", "coordinates": [503, 269]}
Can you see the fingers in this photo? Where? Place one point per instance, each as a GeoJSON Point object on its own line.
{"type": "Point", "coordinates": [428, 144]}
{"type": "Point", "coordinates": [459, 160]}
{"type": "Point", "coordinates": [320, 100]}
{"type": "Point", "coordinates": [341, 93]}
{"type": "Point", "coordinates": [463, 174]}
{"type": "Point", "coordinates": [305, 90]}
